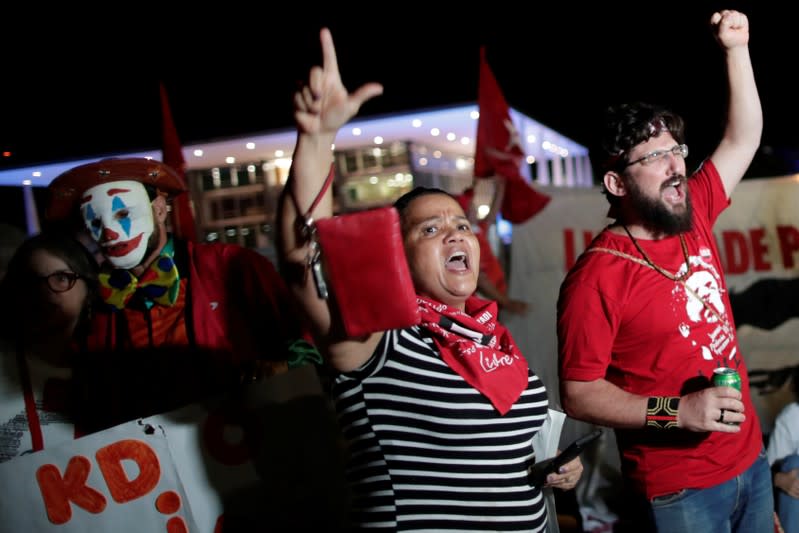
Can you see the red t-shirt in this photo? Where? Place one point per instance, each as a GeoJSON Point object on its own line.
{"type": "Point", "coordinates": [625, 322]}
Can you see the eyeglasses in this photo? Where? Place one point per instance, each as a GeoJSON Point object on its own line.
{"type": "Point", "coordinates": [680, 150]}
{"type": "Point", "coordinates": [60, 281]}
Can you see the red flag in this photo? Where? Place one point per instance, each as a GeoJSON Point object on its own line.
{"type": "Point", "coordinates": [499, 152]}
{"type": "Point", "coordinates": [183, 224]}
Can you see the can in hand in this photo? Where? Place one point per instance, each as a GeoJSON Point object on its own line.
{"type": "Point", "coordinates": [726, 377]}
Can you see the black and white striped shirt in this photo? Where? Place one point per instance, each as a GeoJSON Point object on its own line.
{"type": "Point", "coordinates": [430, 452]}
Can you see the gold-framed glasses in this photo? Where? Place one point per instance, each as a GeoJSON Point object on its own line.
{"type": "Point", "coordinates": [678, 150]}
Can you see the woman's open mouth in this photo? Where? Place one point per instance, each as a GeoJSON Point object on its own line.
{"type": "Point", "coordinates": [457, 262]}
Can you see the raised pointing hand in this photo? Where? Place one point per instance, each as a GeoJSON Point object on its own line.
{"type": "Point", "coordinates": [324, 105]}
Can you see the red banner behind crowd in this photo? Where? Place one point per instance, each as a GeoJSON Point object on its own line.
{"type": "Point", "coordinates": [183, 224]}
{"type": "Point", "coordinates": [499, 150]}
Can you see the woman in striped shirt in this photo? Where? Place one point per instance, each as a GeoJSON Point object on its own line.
{"type": "Point", "coordinates": [439, 416]}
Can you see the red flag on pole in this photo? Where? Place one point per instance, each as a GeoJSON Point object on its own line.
{"type": "Point", "coordinates": [183, 224]}
{"type": "Point", "coordinates": [499, 151]}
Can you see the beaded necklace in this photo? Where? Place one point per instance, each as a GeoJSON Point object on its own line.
{"type": "Point", "coordinates": [658, 268]}
{"type": "Point", "coordinates": [679, 279]}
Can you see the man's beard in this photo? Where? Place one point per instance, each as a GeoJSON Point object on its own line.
{"type": "Point", "coordinates": [655, 216]}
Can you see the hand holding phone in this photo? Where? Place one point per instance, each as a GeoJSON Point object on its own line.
{"type": "Point", "coordinates": [540, 470]}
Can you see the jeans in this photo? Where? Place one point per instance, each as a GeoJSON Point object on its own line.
{"type": "Point", "coordinates": [788, 506]}
{"type": "Point", "coordinates": [744, 504]}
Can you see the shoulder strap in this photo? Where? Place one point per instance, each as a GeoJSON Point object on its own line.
{"type": "Point", "coordinates": [618, 253]}
{"type": "Point", "coordinates": [640, 261]}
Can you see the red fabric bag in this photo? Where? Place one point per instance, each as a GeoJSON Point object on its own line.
{"type": "Point", "coordinates": [365, 266]}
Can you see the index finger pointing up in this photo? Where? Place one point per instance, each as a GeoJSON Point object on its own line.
{"type": "Point", "coordinates": [329, 61]}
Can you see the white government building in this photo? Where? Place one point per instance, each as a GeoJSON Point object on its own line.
{"type": "Point", "coordinates": [235, 182]}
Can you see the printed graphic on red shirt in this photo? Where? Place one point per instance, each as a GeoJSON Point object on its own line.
{"type": "Point", "coordinates": [706, 324]}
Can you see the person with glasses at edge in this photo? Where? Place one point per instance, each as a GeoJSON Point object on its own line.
{"type": "Point", "coordinates": [46, 299]}
{"type": "Point", "coordinates": [643, 318]}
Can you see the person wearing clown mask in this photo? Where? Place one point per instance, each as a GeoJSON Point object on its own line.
{"type": "Point", "coordinates": [187, 317]}
{"type": "Point", "coordinates": [130, 232]}
{"type": "Point", "coordinates": [119, 216]}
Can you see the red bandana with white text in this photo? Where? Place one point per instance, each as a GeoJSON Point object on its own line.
{"type": "Point", "coordinates": [476, 346]}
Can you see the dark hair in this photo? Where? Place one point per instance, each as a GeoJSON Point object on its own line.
{"type": "Point", "coordinates": [402, 203]}
{"type": "Point", "coordinates": [152, 191]}
{"type": "Point", "coordinates": [14, 284]}
{"type": "Point", "coordinates": [795, 382]}
{"type": "Point", "coordinates": [630, 124]}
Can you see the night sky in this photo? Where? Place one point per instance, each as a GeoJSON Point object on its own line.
{"type": "Point", "coordinates": [76, 88]}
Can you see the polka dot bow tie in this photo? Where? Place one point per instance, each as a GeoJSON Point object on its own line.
{"type": "Point", "coordinates": [160, 284]}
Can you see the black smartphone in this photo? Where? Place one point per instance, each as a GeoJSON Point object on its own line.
{"type": "Point", "coordinates": [540, 470]}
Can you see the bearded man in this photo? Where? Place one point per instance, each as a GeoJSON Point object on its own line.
{"type": "Point", "coordinates": [634, 354]}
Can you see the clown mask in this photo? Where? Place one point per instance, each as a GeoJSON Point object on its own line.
{"type": "Point", "coordinates": [119, 216]}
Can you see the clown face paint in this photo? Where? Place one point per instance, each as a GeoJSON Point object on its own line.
{"type": "Point", "coordinates": [119, 216]}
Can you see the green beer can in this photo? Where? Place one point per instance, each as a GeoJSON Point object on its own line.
{"type": "Point", "coordinates": [726, 377]}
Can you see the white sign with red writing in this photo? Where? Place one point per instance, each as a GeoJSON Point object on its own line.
{"type": "Point", "coordinates": [122, 479]}
{"type": "Point", "coordinates": [266, 458]}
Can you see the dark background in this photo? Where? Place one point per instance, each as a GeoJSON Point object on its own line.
{"type": "Point", "coordinates": [84, 84]}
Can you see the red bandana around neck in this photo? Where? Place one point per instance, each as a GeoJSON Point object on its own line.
{"type": "Point", "coordinates": [476, 346]}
